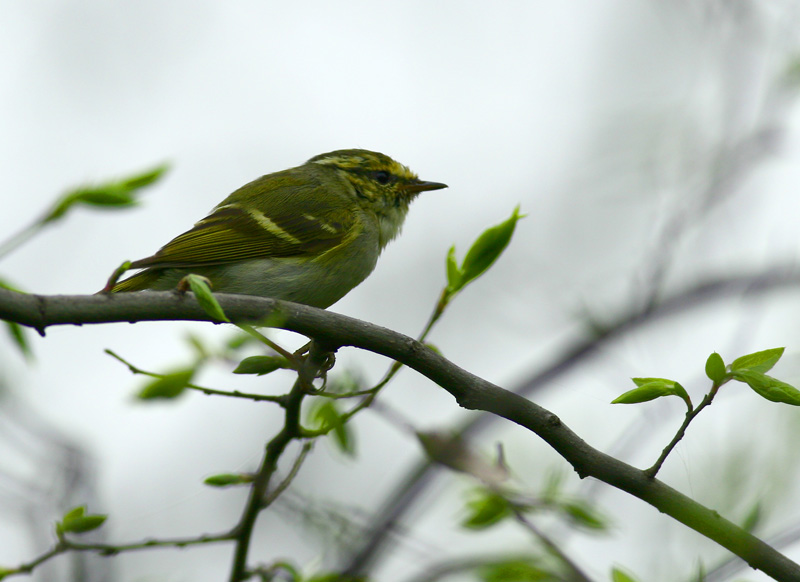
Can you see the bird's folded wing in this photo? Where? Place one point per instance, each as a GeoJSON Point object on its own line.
{"type": "Point", "coordinates": [237, 231]}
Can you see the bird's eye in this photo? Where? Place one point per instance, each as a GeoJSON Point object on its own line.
{"type": "Point", "coordinates": [382, 177]}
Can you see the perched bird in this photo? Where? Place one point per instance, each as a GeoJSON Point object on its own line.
{"type": "Point", "coordinates": [308, 234]}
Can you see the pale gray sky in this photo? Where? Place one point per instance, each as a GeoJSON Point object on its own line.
{"type": "Point", "coordinates": [602, 119]}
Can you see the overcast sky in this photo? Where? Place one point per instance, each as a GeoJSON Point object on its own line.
{"type": "Point", "coordinates": [603, 120]}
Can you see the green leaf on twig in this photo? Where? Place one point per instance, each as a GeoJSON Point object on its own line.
{"type": "Point", "coordinates": [618, 575]}
{"type": "Point", "coordinates": [516, 571]}
{"type": "Point", "coordinates": [114, 193]}
{"type": "Point", "coordinates": [583, 515]}
{"type": "Point", "coordinates": [651, 388]}
{"type": "Point", "coordinates": [168, 386]}
{"type": "Point", "coordinates": [228, 479]}
{"type": "Point", "coordinates": [715, 368]}
{"type": "Point", "coordinates": [325, 414]}
{"type": "Point", "coordinates": [260, 365]}
{"type": "Point", "coordinates": [201, 288]}
{"type": "Point", "coordinates": [486, 509]}
{"type": "Point", "coordinates": [768, 387]}
{"type": "Point", "coordinates": [76, 520]}
{"type": "Point", "coordinates": [18, 336]}
{"type": "Point", "coordinates": [486, 249]}
{"type": "Point", "coordinates": [759, 361]}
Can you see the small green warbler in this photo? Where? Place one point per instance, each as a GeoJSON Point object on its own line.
{"type": "Point", "coordinates": [308, 234]}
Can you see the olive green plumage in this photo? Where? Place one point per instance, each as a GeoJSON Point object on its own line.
{"type": "Point", "coordinates": [307, 234]}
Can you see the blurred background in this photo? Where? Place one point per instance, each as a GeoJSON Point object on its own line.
{"type": "Point", "coordinates": [653, 146]}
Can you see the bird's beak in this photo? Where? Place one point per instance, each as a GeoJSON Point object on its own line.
{"type": "Point", "coordinates": [416, 187]}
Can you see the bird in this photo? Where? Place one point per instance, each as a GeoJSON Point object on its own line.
{"type": "Point", "coordinates": [308, 234]}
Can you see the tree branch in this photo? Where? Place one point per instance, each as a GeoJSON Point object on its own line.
{"type": "Point", "coordinates": [402, 498]}
{"type": "Point", "coordinates": [470, 391]}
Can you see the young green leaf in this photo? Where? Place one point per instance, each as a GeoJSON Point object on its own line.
{"type": "Point", "coordinates": [487, 509]}
{"type": "Point", "coordinates": [202, 292]}
{"type": "Point", "coordinates": [651, 388]}
{"type": "Point", "coordinates": [115, 193]}
{"type": "Point", "coordinates": [228, 479]}
{"type": "Point", "coordinates": [486, 249]}
{"type": "Point", "coordinates": [517, 571]}
{"type": "Point", "coordinates": [433, 347]}
{"type": "Point", "coordinates": [88, 197]}
{"type": "Point", "coordinates": [618, 575]}
{"type": "Point", "coordinates": [583, 515]}
{"type": "Point", "coordinates": [768, 387]}
{"type": "Point", "coordinates": [168, 386]}
{"type": "Point", "coordinates": [78, 521]}
{"type": "Point", "coordinates": [18, 336]}
{"type": "Point", "coordinates": [758, 362]}
{"type": "Point", "coordinates": [240, 340]}
{"type": "Point", "coordinates": [144, 179]}
{"type": "Point", "coordinates": [327, 416]}
{"type": "Point", "coordinates": [453, 272]}
{"type": "Point", "coordinates": [4, 284]}
{"type": "Point", "coordinates": [753, 518]}
{"type": "Point", "coordinates": [261, 365]}
{"type": "Point", "coordinates": [715, 368]}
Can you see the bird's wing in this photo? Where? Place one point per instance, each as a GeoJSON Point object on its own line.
{"type": "Point", "coordinates": [275, 216]}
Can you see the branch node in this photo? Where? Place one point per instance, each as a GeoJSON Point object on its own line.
{"type": "Point", "coordinates": [553, 421]}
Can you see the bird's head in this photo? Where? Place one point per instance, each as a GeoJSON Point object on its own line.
{"type": "Point", "coordinates": [382, 185]}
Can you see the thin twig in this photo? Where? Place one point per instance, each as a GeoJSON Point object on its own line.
{"type": "Point", "coordinates": [290, 431]}
{"type": "Point", "coordinates": [470, 391]}
{"type": "Point", "coordinates": [249, 329]}
{"type": "Point", "coordinates": [298, 462]}
{"type": "Point", "coordinates": [207, 391]}
{"type": "Point", "coordinates": [15, 241]}
{"type": "Point", "coordinates": [690, 416]}
{"type": "Point", "coordinates": [66, 545]}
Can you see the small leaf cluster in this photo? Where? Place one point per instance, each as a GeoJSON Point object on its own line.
{"type": "Point", "coordinates": [325, 415]}
{"type": "Point", "coordinates": [261, 365]}
{"type": "Point", "coordinates": [491, 506]}
{"type": "Point", "coordinates": [618, 575]}
{"type": "Point", "coordinates": [173, 384]}
{"type": "Point", "coordinates": [167, 386]}
{"type": "Point", "coordinates": [113, 193]}
{"type": "Point", "coordinates": [750, 369]}
{"type": "Point", "coordinates": [119, 193]}
{"type": "Point", "coordinates": [518, 570]}
{"type": "Point", "coordinates": [488, 507]}
{"type": "Point", "coordinates": [486, 249]}
{"type": "Point", "coordinates": [651, 388]}
{"type": "Point", "coordinates": [77, 521]}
